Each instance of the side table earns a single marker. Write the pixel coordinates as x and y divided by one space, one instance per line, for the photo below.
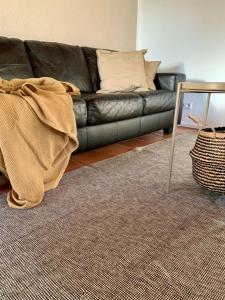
191 87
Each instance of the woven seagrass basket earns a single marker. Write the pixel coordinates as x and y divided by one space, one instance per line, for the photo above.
208 158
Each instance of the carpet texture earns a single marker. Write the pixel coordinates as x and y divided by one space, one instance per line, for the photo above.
109 231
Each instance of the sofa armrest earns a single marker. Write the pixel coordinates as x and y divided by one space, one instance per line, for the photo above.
168 81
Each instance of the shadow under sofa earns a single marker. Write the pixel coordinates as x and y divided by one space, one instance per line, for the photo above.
102 119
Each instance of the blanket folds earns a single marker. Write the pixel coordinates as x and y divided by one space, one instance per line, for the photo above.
37 136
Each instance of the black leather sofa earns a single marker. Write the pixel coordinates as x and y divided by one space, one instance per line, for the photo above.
101 118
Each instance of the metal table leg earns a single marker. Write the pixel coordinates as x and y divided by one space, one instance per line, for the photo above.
173 136
207 109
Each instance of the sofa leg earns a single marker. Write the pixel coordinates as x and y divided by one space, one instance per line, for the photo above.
168 130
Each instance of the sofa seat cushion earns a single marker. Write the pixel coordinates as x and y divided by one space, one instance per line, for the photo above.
60 61
158 101
14 62
80 111
103 108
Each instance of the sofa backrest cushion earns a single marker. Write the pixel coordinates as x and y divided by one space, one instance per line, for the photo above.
60 61
14 62
91 59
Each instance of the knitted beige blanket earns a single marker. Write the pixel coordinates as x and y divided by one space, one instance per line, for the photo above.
37 136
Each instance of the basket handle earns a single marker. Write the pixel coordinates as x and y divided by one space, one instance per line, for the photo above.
201 124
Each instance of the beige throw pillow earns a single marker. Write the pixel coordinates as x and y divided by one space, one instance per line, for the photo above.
121 71
151 68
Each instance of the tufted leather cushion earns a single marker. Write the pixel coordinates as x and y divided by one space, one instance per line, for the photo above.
158 101
60 61
80 110
103 108
14 62
91 58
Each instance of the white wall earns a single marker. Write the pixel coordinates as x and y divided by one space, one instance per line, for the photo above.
98 23
187 36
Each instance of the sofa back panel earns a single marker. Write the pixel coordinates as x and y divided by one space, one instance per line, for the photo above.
60 61
91 59
14 62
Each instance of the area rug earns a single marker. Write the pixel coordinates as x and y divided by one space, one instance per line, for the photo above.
109 231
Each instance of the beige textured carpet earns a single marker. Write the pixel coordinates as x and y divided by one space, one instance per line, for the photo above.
109 231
